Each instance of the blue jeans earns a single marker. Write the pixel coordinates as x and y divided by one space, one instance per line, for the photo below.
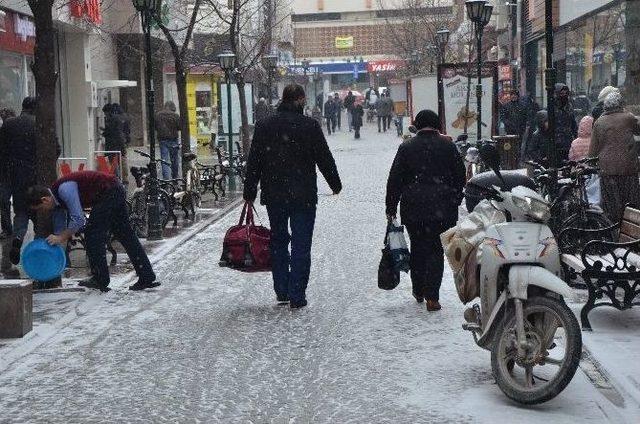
170 152
291 271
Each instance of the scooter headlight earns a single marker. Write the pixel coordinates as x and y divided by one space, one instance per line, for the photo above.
533 208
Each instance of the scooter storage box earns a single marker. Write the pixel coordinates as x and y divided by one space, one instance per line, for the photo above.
512 179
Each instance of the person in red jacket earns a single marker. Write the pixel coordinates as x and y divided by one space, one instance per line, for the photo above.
68 198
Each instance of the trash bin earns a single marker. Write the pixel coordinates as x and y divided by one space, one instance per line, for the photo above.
472 196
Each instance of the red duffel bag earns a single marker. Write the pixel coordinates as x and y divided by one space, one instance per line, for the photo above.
246 245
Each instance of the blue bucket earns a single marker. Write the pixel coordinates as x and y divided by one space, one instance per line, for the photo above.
43 262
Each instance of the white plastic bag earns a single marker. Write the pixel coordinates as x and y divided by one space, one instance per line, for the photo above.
398 246
593 190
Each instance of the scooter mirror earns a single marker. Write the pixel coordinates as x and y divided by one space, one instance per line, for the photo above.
462 137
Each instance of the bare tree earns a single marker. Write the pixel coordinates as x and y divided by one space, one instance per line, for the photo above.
248 25
413 24
179 38
44 71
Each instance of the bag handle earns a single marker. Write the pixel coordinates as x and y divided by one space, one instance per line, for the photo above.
247 212
244 213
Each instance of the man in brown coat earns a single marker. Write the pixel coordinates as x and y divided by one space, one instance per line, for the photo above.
613 142
167 128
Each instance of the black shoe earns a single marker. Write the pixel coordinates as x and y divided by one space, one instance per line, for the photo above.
140 285
298 305
92 283
284 299
14 253
419 299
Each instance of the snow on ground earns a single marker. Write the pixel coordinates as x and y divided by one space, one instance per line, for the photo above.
211 345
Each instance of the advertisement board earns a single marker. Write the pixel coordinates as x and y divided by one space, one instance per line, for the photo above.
454 93
235 106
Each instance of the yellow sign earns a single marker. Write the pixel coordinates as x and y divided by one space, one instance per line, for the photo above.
344 42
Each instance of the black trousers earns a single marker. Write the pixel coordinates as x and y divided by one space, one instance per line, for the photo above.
427 259
331 124
109 215
382 119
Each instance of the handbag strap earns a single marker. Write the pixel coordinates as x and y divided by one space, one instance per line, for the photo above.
244 213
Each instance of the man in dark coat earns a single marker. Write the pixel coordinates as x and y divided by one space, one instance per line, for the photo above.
168 129
338 106
18 150
330 114
566 125
349 102
262 109
514 115
427 178
285 151
357 112
538 146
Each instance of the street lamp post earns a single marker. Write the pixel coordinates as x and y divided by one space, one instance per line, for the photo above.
550 78
147 9
270 62
306 64
227 61
479 12
442 39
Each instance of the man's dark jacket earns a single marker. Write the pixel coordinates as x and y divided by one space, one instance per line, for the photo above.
284 153
349 101
514 117
18 150
427 178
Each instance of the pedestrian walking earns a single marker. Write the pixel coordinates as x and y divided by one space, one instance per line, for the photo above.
391 106
338 106
566 125
427 178
18 150
613 142
167 128
349 103
5 191
67 199
357 114
126 129
384 108
530 108
330 114
285 151
262 109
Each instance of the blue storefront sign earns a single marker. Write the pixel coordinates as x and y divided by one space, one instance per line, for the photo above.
354 68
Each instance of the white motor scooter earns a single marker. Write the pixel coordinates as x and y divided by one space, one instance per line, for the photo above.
534 338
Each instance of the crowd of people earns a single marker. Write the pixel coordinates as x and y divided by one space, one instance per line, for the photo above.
609 133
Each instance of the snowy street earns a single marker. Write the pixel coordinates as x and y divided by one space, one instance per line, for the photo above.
211 345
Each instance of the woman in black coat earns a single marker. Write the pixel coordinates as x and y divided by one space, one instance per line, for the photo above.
427 178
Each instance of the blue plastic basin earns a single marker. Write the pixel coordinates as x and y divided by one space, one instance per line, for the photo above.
43 262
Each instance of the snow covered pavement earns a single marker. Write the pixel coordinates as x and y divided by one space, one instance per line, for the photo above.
210 344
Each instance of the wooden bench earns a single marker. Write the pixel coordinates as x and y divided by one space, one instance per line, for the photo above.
609 263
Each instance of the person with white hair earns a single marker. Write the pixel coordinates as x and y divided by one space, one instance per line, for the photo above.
613 142
598 109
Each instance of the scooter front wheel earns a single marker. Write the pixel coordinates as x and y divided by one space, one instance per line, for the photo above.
550 355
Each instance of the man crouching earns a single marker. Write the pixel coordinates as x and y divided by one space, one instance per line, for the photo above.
105 197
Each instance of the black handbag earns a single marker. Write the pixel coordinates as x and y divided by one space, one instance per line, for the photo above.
388 277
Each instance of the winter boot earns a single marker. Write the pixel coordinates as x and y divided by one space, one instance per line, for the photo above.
141 285
14 253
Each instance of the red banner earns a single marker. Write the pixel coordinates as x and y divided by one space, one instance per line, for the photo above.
88 8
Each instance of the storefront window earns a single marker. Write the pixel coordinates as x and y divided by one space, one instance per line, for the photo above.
11 80
204 115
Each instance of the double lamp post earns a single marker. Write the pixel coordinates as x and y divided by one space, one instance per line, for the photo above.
228 62
479 13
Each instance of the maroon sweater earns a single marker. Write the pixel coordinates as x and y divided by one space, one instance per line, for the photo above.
91 186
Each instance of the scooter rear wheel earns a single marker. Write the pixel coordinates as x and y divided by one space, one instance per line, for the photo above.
551 359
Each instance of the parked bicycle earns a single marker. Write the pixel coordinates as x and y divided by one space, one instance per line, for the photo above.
565 189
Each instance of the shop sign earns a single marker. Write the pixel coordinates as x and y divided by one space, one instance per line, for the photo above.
24 28
504 73
344 42
384 65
